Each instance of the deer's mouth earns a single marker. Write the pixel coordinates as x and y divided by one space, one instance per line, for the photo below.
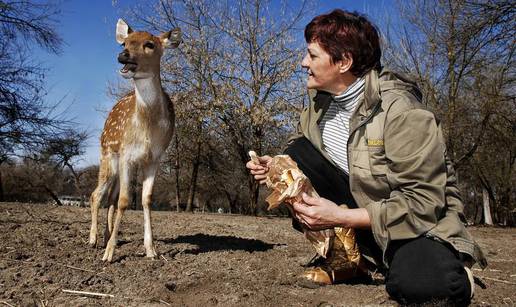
128 67
128 70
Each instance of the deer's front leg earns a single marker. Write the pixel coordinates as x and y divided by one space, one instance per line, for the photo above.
124 199
149 173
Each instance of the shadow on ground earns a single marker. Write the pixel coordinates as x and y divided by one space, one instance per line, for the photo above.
208 243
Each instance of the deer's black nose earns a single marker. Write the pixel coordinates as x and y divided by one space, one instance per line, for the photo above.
123 57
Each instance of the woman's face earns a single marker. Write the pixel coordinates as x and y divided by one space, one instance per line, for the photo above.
322 74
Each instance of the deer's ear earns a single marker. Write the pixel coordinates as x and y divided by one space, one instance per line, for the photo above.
122 31
171 38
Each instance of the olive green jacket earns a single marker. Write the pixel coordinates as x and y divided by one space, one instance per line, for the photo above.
398 167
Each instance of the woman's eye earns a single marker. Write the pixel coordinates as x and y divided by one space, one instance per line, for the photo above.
122 44
149 45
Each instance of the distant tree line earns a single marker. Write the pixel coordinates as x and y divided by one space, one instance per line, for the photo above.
237 85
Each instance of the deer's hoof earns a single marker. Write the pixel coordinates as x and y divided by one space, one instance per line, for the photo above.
107 257
152 254
93 242
108 254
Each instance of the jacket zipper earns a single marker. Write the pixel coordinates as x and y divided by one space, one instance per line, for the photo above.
373 112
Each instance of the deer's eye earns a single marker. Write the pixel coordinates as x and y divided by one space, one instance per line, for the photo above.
149 45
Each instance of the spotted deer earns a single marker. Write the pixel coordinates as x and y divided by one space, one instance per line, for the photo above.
136 133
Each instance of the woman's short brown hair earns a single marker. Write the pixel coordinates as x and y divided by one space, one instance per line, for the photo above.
341 33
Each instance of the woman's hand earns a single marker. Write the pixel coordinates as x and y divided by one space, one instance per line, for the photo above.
259 171
317 212
320 213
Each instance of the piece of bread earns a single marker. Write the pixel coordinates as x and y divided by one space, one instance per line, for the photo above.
288 183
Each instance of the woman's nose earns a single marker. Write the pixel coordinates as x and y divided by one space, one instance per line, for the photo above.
305 62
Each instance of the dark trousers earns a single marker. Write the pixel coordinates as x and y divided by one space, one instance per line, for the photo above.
420 269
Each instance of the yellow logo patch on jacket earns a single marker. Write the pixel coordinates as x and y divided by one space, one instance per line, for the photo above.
374 142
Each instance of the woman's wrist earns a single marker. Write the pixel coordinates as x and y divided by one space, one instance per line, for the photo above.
353 218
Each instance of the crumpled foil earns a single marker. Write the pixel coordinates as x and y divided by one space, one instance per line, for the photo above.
288 183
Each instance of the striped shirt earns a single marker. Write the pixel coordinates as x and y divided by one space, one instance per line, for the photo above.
334 125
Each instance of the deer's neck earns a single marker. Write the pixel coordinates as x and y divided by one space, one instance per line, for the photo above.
149 94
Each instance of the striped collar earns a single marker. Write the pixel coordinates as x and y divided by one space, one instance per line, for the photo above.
348 96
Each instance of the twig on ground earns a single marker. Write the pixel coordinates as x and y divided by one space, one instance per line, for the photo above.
508 299
12 251
30 214
75 268
501 260
95 294
98 294
164 258
6 303
499 280
17 260
56 263
174 252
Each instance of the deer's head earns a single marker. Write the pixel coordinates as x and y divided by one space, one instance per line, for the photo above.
142 50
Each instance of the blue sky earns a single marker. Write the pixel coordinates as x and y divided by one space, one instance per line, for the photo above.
87 64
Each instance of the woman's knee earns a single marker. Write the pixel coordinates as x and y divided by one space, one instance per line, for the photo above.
454 289
424 270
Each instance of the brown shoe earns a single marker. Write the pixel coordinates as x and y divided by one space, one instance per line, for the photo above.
318 275
325 275
338 266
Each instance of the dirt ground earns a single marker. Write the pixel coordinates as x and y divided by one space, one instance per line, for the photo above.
205 260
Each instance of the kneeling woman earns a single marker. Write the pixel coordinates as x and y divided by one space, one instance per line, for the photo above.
366 141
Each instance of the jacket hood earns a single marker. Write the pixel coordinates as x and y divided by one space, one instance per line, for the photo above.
387 80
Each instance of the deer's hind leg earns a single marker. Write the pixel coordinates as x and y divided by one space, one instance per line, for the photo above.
112 202
98 197
124 199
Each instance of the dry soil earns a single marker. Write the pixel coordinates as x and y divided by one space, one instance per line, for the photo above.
204 260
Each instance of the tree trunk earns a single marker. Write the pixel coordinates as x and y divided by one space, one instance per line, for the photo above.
252 184
1 187
193 181
2 195
76 181
53 195
232 202
475 217
178 192
207 205
486 208
176 167
254 189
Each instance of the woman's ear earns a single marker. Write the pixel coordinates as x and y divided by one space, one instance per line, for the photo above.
346 63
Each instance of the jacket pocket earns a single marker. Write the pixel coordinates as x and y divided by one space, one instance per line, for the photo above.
370 174
377 161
